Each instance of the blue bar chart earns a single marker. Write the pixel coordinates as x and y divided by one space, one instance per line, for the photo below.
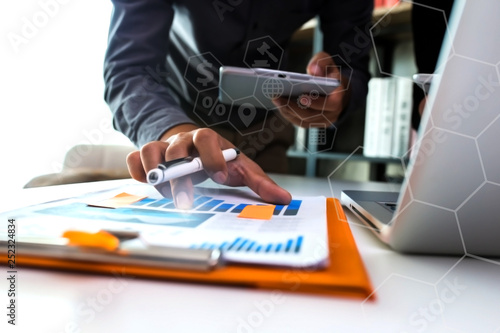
209 204
225 219
290 235
242 244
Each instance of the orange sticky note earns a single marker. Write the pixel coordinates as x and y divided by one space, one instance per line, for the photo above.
260 212
101 239
119 200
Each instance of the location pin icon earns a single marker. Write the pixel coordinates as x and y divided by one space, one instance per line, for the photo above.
247 113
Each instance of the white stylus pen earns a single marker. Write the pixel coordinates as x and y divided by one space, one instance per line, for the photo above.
182 167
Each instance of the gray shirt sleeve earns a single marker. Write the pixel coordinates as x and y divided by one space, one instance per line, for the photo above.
134 70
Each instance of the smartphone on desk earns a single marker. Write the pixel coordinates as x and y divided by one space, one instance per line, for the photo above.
239 85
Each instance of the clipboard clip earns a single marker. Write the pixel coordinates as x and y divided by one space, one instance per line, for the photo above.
125 247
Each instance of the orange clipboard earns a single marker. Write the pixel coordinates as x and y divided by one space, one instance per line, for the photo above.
344 276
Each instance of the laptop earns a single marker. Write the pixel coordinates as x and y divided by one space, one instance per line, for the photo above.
449 201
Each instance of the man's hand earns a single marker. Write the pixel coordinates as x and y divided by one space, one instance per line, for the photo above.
208 145
323 110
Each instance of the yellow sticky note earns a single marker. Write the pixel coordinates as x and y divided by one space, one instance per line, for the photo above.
119 200
260 212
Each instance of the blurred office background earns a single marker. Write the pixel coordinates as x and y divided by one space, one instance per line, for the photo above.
51 84
52 88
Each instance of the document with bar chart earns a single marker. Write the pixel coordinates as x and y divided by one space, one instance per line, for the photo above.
233 220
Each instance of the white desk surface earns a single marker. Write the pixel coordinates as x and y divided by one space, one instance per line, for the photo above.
414 293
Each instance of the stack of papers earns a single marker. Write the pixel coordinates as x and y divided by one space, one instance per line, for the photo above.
235 221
